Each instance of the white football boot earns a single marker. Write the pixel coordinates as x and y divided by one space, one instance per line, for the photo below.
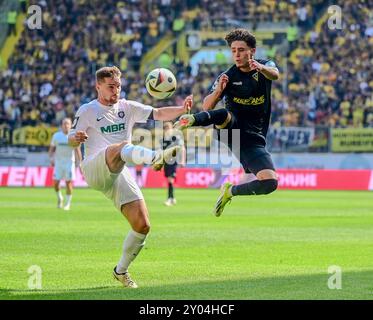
125 279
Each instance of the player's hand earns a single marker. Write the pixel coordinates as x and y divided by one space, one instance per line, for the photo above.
255 65
188 103
52 163
222 83
80 137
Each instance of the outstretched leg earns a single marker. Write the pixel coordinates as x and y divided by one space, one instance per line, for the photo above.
221 118
118 154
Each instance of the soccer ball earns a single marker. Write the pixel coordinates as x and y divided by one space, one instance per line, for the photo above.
160 83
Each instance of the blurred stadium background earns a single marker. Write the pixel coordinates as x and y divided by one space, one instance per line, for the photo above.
322 106
321 135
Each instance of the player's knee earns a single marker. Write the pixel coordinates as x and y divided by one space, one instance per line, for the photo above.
142 224
113 157
269 185
142 227
113 151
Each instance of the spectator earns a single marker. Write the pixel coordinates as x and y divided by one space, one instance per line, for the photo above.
12 20
220 58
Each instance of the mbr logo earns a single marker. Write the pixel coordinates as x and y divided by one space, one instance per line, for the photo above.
113 128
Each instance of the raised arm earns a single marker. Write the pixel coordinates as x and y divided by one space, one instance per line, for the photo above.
171 113
214 97
269 70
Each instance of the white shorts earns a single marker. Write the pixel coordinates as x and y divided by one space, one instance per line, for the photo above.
64 170
121 187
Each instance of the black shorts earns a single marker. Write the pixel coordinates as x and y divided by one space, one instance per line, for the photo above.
170 170
251 153
255 158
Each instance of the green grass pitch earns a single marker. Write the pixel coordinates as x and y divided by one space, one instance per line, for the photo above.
267 247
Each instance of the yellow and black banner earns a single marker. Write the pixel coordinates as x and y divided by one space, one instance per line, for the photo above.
5 134
35 136
352 140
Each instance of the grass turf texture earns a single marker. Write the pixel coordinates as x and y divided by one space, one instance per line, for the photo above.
267 247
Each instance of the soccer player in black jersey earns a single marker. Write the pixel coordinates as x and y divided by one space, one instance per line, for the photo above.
246 89
170 139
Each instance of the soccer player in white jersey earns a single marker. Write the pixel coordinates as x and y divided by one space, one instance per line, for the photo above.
63 158
105 125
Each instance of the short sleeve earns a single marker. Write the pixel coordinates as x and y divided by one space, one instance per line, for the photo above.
53 141
140 112
81 120
271 64
215 84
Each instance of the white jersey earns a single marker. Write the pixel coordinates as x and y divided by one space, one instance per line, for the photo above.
64 152
106 125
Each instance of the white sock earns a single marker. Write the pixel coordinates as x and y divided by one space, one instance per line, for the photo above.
68 199
59 195
131 248
137 154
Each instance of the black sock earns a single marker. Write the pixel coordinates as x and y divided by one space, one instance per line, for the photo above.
255 187
206 118
170 190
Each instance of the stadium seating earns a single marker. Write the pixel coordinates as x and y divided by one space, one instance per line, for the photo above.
51 72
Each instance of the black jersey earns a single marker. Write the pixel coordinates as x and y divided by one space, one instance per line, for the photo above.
248 97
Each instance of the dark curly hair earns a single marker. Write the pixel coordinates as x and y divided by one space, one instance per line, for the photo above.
241 35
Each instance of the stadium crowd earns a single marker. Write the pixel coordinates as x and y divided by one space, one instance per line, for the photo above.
51 73
330 74
302 13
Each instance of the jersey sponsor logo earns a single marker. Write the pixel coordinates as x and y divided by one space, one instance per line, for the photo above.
252 101
99 118
113 128
256 76
121 114
238 83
